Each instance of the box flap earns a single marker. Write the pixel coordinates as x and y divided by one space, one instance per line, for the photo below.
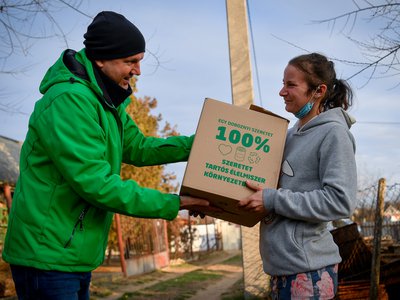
264 111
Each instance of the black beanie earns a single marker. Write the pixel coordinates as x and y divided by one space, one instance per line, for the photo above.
112 36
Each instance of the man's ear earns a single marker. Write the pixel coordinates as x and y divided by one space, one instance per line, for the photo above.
99 63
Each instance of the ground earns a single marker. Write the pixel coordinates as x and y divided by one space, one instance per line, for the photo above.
218 275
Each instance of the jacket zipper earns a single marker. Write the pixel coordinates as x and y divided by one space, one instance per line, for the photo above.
78 222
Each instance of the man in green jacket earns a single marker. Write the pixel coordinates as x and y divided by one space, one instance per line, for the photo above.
70 185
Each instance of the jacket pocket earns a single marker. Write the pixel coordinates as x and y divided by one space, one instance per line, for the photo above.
297 235
79 223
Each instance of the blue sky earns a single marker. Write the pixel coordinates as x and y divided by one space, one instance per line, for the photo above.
190 39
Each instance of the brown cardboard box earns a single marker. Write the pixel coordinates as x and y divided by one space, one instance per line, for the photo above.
234 144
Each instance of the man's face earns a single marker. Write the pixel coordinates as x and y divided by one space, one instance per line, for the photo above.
121 70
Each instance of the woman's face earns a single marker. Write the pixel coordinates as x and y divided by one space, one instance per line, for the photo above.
295 89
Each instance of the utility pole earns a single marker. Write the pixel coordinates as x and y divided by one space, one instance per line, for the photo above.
239 53
255 280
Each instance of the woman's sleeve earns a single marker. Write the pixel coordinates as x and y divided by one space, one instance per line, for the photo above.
336 198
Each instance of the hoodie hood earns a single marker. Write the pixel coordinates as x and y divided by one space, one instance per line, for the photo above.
336 115
71 66
75 67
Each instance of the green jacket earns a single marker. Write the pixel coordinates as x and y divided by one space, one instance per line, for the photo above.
70 184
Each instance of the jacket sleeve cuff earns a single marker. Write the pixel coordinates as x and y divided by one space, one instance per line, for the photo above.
174 201
268 200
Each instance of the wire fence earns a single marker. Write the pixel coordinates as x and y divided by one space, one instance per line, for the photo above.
364 214
390 230
143 237
366 203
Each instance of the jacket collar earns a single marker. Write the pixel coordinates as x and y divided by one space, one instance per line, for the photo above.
111 90
113 94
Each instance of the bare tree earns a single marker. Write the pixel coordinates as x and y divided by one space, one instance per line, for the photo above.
380 52
22 22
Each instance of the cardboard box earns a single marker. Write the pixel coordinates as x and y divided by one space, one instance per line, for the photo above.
234 144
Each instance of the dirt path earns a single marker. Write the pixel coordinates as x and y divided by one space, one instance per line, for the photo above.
214 291
168 273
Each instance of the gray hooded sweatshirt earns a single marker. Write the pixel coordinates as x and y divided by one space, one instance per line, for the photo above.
318 184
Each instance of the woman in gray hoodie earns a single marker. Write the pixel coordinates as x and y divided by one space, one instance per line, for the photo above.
318 183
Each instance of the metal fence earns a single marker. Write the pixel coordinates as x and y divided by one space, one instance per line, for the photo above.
143 237
367 199
364 214
389 230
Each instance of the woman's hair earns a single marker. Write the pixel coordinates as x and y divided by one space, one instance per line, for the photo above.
319 70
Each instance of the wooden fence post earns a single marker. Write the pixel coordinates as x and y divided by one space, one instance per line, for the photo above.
120 244
376 255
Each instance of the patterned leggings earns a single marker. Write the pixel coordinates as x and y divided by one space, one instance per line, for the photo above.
313 285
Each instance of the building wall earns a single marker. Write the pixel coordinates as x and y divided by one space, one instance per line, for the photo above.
146 263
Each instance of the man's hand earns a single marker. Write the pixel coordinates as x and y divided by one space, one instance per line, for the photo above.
197 206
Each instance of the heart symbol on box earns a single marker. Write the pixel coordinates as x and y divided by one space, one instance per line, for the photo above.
224 149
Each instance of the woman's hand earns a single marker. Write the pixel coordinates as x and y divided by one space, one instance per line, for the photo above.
254 202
